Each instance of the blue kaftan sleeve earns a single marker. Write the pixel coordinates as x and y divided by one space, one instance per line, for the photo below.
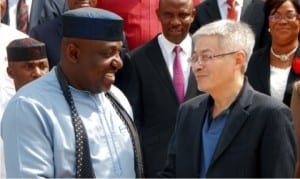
27 140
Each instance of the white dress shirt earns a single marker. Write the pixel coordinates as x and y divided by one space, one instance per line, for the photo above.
12 10
278 81
167 48
223 6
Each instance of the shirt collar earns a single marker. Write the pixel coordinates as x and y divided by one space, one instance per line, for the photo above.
169 46
224 2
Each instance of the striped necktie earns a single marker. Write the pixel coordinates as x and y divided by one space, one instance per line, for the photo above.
178 79
22 16
231 11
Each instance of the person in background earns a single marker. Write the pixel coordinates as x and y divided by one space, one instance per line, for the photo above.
7 33
26 14
50 32
274 69
3 5
159 80
27 61
72 122
295 105
232 131
249 11
141 23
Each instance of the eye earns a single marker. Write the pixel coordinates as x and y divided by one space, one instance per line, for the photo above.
27 66
167 15
193 59
275 17
206 58
184 15
109 52
106 54
43 66
291 16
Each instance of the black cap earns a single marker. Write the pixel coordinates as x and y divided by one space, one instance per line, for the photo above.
25 49
92 23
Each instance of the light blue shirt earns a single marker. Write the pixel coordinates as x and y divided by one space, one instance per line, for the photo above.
39 139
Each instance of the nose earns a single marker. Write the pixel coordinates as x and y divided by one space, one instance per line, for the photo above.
199 66
199 62
36 73
176 20
117 62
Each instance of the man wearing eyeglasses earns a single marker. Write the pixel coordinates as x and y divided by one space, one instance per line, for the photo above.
232 131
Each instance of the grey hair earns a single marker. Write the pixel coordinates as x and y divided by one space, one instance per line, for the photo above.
231 35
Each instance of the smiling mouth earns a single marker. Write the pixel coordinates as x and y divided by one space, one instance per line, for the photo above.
110 75
283 29
176 30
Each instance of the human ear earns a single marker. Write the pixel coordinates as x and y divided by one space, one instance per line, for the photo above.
10 72
73 52
240 57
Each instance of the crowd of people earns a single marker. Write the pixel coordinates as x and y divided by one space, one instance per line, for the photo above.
149 88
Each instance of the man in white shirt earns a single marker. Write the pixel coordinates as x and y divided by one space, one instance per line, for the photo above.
155 88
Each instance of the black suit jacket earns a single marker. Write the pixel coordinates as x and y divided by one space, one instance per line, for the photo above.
151 93
252 14
258 140
258 72
42 11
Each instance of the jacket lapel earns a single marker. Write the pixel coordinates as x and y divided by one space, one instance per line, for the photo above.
245 6
212 10
195 135
35 12
263 71
156 58
290 83
236 119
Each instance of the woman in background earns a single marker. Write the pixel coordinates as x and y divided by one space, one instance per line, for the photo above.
273 69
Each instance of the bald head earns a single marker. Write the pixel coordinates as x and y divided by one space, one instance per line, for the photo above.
161 2
75 4
176 17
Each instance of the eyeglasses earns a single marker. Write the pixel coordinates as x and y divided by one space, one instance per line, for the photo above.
289 17
206 58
